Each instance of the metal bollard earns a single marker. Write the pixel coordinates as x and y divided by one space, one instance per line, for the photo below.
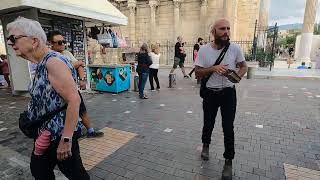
135 83
172 80
251 72
198 80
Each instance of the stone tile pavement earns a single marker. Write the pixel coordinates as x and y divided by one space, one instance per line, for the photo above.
276 128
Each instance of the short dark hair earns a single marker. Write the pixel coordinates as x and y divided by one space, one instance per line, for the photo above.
200 39
51 34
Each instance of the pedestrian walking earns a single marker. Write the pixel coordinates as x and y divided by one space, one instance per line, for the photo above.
196 48
154 67
219 92
179 57
54 96
144 61
58 44
4 69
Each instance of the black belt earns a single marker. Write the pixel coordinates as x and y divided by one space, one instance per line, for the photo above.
219 89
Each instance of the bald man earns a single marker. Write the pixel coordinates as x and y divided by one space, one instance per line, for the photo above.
221 92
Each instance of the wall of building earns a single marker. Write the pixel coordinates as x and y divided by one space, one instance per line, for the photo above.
246 13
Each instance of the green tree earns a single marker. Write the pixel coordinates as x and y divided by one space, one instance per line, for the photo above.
291 40
316 29
287 40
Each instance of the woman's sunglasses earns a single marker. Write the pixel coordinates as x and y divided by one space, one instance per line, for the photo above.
60 42
13 39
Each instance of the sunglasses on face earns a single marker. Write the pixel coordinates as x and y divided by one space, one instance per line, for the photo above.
60 42
13 39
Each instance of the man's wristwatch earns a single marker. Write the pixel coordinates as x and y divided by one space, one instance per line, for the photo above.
66 139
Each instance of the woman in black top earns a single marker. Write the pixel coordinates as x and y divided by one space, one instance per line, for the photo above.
144 61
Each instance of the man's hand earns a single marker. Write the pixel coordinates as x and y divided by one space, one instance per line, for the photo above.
243 68
64 150
81 63
221 69
78 64
82 84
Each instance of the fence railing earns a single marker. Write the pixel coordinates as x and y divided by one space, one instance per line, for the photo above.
167 51
113 55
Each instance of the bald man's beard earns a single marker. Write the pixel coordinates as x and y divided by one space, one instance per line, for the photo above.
221 42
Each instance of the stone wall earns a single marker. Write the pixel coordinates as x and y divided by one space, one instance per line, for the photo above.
248 12
245 14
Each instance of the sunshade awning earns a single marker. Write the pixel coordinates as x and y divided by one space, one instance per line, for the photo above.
101 10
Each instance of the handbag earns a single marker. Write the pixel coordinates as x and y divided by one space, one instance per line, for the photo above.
121 40
203 87
31 128
105 38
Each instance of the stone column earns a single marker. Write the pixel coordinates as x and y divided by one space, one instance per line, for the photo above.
263 22
176 14
132 21
203 19
307 31
229 7
153 29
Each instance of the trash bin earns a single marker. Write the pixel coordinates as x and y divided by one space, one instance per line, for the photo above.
172 80
251 72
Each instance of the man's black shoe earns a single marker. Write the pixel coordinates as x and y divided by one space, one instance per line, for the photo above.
205 152
227 170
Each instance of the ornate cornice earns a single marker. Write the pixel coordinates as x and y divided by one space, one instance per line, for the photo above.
204 2
154 3
177 3
132 3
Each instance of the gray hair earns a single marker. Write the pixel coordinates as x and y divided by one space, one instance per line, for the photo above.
29 27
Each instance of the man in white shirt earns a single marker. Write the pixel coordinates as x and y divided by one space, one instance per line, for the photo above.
221 92
58 44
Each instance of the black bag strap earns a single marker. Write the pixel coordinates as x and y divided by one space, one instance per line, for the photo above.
49 116
218 61
222 54
52 114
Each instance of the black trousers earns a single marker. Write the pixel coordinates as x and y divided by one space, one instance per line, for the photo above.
153 74
226 99
42 166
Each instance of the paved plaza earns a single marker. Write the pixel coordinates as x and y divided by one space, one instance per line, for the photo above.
277 133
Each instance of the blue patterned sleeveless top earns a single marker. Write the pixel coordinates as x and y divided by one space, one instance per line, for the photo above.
44 99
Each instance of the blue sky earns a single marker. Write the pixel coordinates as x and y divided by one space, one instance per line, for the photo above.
288 11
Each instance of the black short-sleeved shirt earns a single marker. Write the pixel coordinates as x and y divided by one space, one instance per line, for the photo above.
177 51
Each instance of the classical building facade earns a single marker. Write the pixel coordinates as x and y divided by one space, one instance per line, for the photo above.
164 20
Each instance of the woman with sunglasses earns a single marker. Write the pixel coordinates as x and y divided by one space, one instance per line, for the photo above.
52 88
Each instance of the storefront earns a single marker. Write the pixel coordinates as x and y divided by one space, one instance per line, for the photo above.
72 19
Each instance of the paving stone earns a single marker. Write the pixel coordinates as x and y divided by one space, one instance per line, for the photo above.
287 135
259 172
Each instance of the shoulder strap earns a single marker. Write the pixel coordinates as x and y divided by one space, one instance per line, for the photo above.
222 54
47 117
219 60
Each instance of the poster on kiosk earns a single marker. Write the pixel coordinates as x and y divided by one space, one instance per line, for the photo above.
70 20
